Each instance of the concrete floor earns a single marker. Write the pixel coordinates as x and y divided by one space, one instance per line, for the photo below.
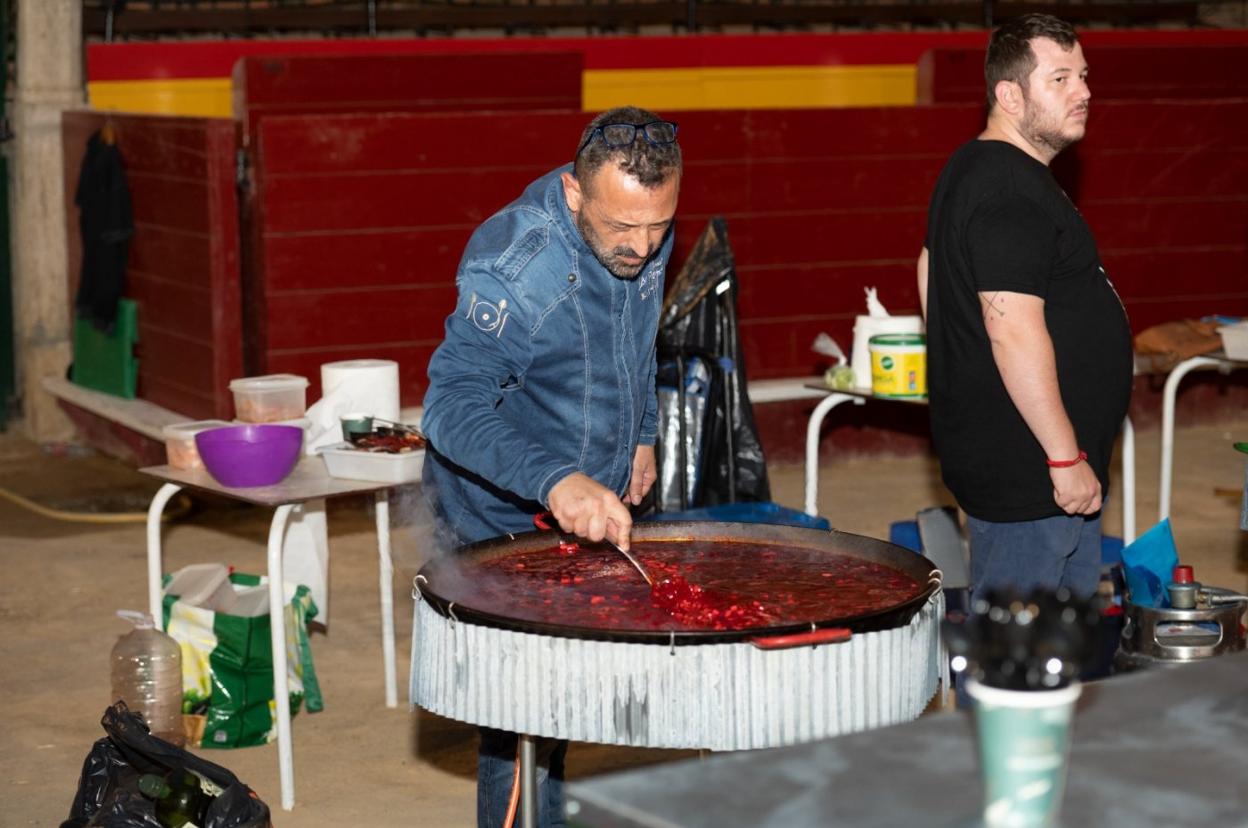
358 763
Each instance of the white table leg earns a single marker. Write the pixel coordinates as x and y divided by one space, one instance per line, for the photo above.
528 781
1128 481
386 568
281 684
154 551
812 446
1167 427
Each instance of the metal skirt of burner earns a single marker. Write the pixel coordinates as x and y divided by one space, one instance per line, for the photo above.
717 696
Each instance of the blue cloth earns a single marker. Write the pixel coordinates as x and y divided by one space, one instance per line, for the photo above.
496 769
1033 554
1148 563
547 368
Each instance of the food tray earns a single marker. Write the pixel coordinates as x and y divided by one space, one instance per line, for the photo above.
355 464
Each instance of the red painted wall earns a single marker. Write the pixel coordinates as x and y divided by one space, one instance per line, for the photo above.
403 82
330 275
145 60
366 216
1183 72
355 223
184 265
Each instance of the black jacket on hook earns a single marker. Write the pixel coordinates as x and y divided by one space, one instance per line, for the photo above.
106 223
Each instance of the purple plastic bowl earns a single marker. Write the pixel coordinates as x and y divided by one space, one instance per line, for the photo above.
250 455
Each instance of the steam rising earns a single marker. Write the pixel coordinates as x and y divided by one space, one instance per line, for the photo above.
420 542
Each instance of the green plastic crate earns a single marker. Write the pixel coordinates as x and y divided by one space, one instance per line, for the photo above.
106 361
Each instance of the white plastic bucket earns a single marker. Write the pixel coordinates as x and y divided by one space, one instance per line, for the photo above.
866 327
898 365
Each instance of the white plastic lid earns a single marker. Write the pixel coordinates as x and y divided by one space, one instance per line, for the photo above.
270 382
187 431
299 422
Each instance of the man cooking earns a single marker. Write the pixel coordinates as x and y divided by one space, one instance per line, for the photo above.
541 396
1029 350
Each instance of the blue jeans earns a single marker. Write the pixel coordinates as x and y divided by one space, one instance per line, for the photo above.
1029 554
496 768
1062 551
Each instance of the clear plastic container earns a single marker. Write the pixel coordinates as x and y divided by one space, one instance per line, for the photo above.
147 676
269 399
180 450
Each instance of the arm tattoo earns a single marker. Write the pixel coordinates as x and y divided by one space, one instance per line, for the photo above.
994 305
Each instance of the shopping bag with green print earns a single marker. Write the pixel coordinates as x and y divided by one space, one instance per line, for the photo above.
222 622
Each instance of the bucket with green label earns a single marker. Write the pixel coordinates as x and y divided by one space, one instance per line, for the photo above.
898 365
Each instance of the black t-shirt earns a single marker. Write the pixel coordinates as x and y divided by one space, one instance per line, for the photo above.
999 221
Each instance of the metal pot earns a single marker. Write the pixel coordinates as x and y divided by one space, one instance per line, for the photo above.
721 690
444 584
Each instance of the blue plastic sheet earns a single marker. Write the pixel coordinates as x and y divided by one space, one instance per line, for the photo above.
772 513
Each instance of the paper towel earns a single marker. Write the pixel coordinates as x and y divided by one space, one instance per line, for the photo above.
354 386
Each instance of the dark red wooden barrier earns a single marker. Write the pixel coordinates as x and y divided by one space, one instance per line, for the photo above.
952 75
365 216
327 274
361 222
323 84
184 265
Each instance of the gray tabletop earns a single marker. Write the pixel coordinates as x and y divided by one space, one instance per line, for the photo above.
308 481
1165 747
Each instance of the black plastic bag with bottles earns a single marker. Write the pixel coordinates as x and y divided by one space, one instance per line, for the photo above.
109 793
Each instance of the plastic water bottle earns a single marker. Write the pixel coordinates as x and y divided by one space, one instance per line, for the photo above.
147 676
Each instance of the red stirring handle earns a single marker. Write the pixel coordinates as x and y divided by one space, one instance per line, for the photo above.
567 543
826 635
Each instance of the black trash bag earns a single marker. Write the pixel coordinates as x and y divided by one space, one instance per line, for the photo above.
693 384
698 327
108 789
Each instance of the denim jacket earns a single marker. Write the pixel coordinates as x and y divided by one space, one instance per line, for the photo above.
547 368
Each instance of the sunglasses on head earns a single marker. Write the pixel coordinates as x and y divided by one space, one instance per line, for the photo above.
657 133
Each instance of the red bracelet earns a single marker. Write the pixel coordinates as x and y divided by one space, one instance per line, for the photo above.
1066 464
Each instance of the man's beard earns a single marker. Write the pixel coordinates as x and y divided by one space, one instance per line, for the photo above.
1042 129
610 259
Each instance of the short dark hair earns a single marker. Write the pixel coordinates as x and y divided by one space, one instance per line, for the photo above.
1010 57
651 164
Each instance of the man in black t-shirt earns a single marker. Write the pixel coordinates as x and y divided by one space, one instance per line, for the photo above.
1029 350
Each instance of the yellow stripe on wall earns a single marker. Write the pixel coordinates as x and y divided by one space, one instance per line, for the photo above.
719 87
203 97
750 87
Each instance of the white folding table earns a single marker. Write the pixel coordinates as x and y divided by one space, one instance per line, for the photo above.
309 481
1217 360
858 396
